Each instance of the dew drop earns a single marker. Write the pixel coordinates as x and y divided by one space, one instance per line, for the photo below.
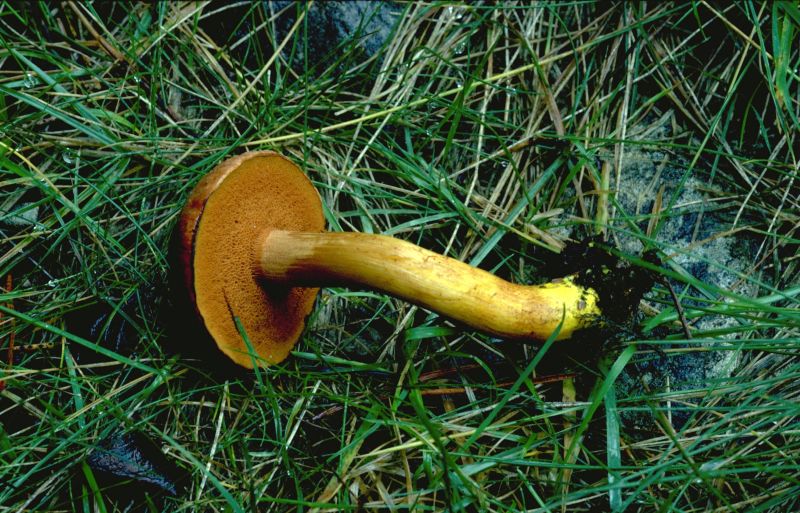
455 13
711 466
30 80
70 156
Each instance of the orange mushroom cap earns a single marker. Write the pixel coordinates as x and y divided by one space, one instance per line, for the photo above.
240 201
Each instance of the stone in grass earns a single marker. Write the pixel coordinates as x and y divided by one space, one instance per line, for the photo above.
696 231
131 467
367 24
25 216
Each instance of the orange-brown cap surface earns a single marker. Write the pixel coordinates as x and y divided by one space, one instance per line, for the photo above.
240 200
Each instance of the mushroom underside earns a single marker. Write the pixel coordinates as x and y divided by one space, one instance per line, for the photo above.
263 192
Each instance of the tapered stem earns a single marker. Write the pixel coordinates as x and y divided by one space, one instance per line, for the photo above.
445 285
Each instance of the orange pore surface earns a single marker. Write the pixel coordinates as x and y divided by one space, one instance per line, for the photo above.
263 192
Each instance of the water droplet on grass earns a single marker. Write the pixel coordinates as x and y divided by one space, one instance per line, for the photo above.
30 80
70 156
455 13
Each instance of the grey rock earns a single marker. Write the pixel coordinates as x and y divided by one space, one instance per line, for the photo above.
366 24
697 233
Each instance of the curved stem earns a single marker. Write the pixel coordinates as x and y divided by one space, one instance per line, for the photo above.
445 285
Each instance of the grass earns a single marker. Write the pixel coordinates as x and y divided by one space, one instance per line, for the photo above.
495 134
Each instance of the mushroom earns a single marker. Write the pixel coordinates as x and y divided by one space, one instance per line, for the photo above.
252 252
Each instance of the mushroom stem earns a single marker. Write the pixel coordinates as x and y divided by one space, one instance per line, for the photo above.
442 284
